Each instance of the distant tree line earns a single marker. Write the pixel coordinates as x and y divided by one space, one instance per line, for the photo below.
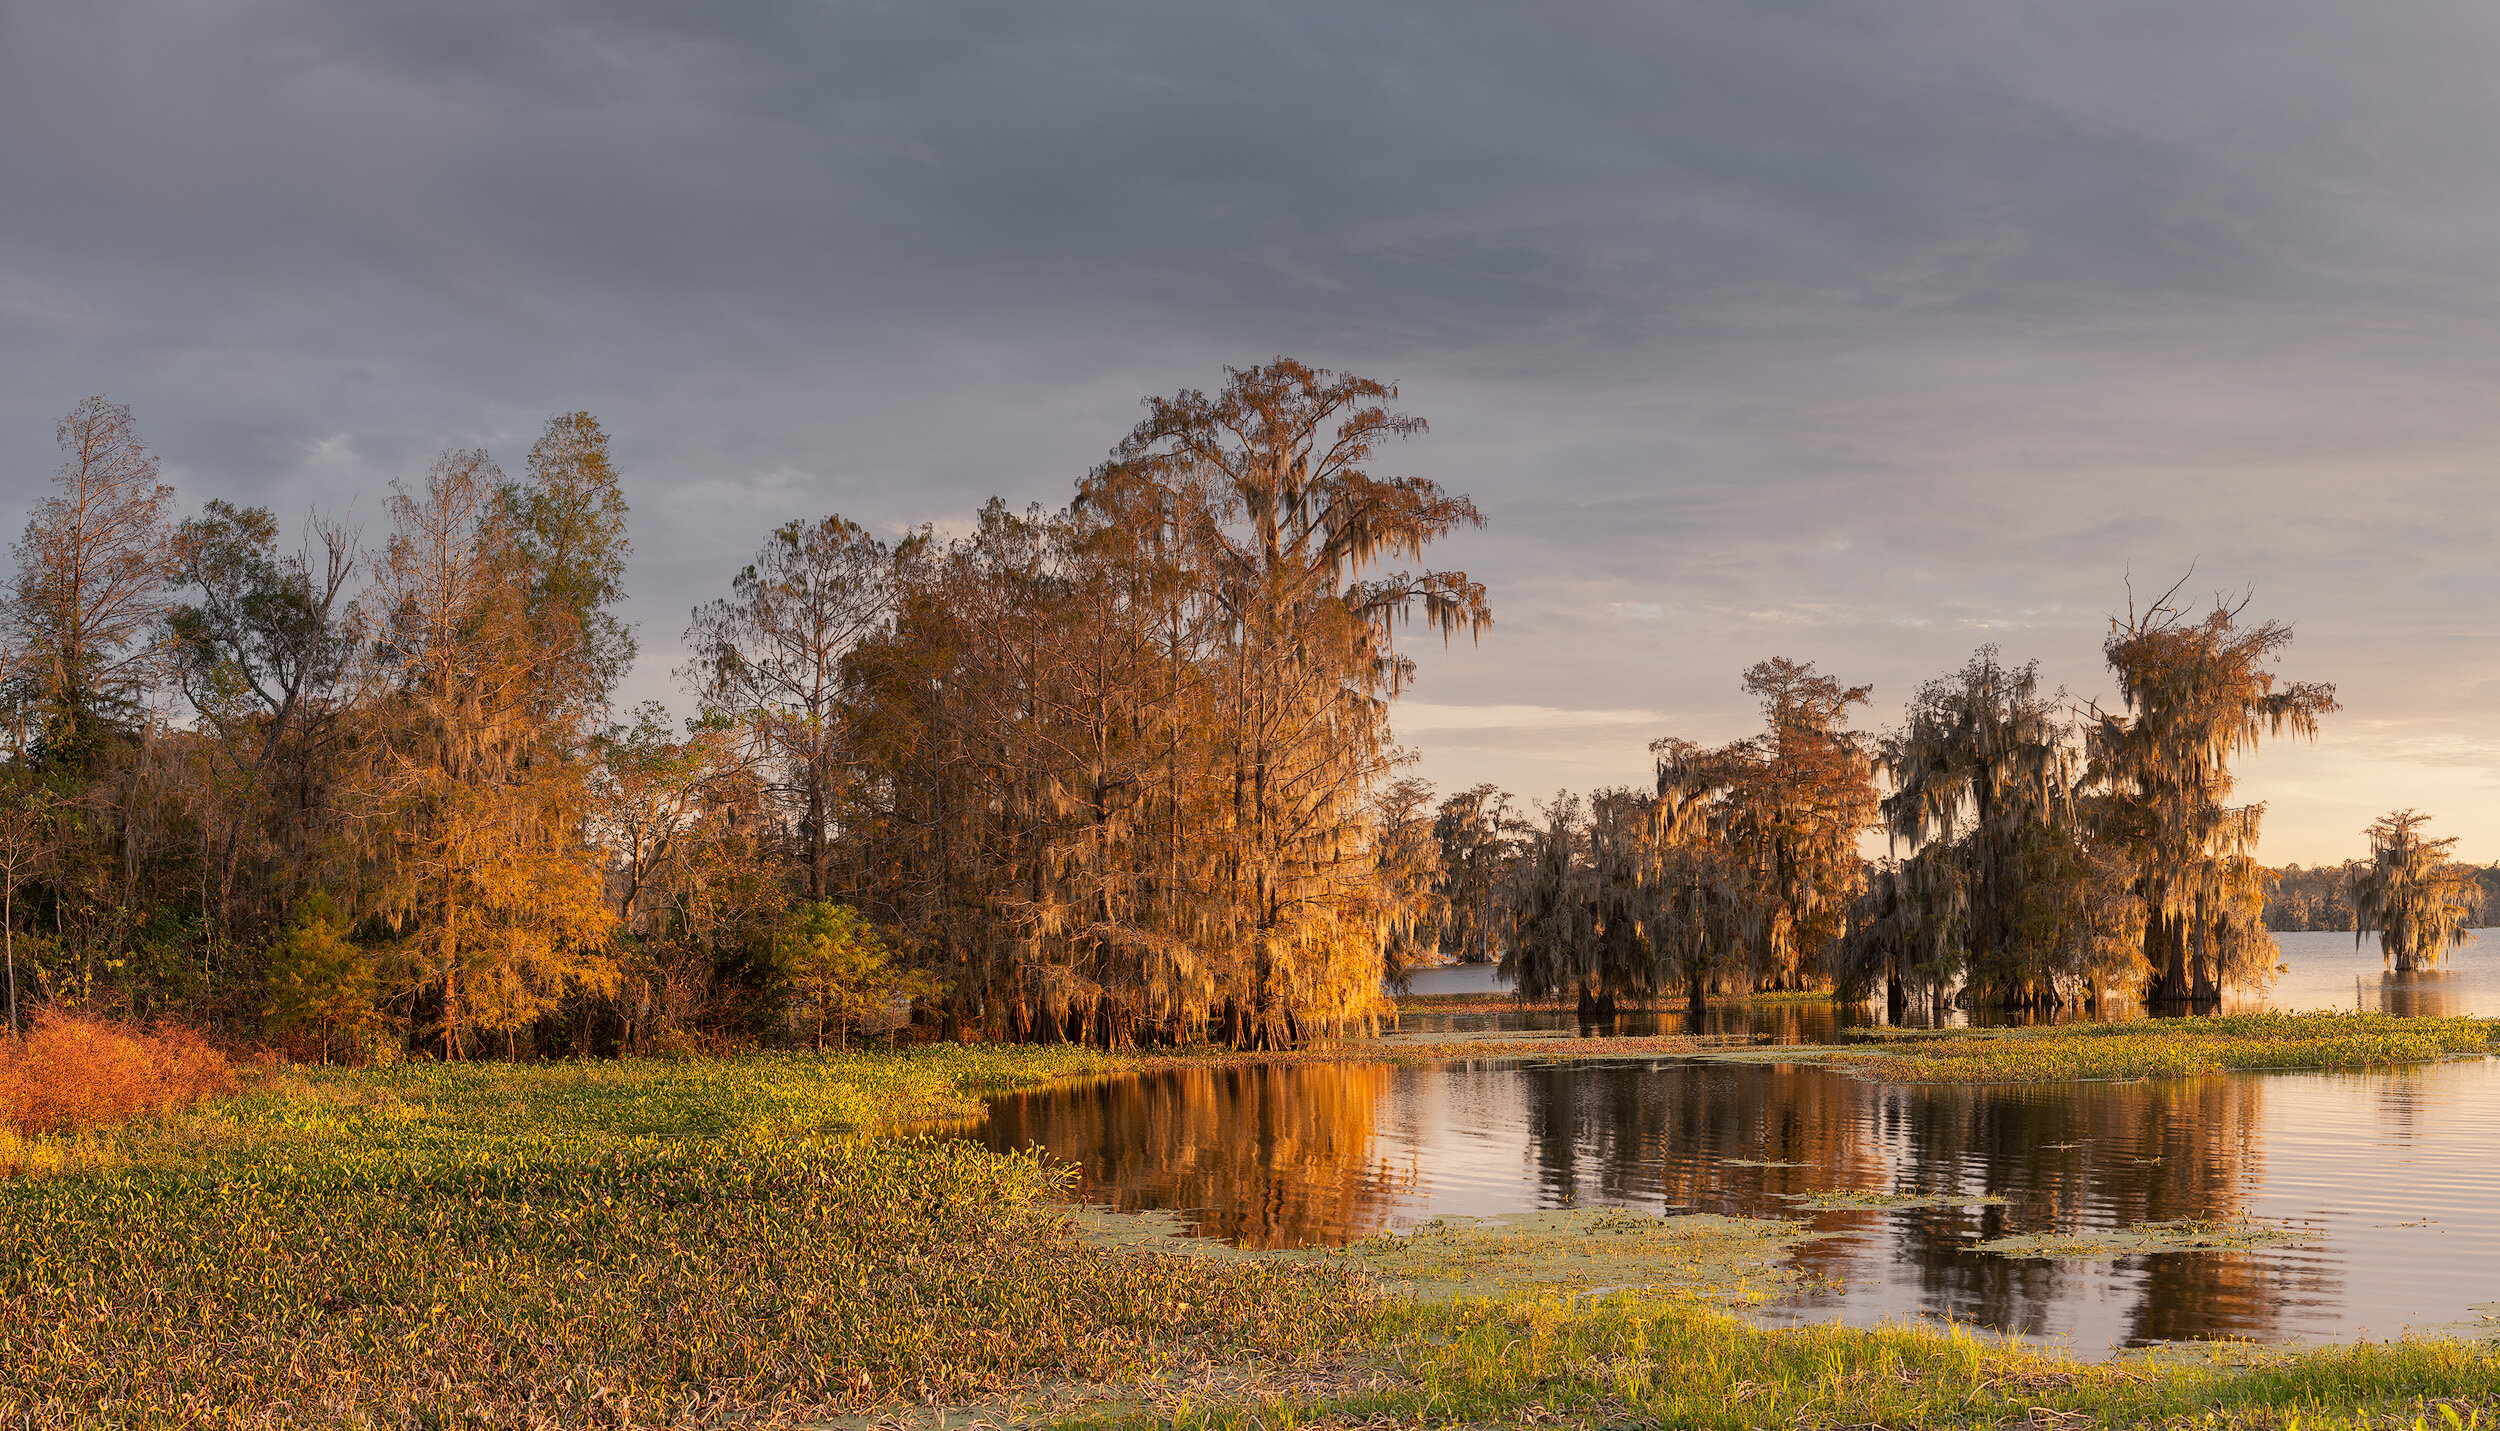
1120 772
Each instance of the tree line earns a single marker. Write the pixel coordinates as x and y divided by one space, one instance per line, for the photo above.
1109 773
1119 773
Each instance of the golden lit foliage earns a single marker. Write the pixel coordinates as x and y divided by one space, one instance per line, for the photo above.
484 867
2198 692
70 1074
2410 893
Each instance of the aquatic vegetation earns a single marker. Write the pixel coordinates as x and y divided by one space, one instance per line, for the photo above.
1549 1044
1569 1250
643 1243
2187 1235
1852 1200
2164 1048
1582 1250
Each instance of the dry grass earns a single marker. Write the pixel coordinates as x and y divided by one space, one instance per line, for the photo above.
73 1075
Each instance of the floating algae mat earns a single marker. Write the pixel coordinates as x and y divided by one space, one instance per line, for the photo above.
1726 1259
1849 1200
2189 1235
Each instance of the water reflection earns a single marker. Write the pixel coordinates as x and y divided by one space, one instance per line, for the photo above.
1262 1155
2435 994
1322 1153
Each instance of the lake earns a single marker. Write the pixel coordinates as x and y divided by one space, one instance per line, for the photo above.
2390 1176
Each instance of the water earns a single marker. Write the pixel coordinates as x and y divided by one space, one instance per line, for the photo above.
2394 1171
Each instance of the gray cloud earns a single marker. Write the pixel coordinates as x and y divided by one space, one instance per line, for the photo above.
1862 333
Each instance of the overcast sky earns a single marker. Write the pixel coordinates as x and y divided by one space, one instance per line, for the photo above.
1861 333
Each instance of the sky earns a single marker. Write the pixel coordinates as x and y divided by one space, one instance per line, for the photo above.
1859 333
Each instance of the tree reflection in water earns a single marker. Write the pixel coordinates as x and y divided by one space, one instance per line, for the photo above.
2430 994
1288 1155
1275 1155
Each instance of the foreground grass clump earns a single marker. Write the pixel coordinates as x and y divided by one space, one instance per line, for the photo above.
72 1074
2169 1048
635 1244
67 1085
1634 1362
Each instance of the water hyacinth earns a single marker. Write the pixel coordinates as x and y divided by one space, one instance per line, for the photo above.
628 1244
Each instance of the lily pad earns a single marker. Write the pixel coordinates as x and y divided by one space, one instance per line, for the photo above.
2188 1235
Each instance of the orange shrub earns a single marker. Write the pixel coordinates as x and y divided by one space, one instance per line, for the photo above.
73 1073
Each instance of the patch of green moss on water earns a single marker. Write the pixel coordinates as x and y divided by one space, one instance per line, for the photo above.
1731 1261
2188 1235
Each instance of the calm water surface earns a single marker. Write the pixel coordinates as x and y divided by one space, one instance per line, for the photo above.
2398 1172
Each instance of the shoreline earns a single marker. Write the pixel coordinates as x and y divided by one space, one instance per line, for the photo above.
763 1238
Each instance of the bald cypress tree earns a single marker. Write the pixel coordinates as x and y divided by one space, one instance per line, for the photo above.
1267 490
2410 893
2198 692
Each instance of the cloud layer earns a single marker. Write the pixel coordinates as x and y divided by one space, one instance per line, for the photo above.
1857 333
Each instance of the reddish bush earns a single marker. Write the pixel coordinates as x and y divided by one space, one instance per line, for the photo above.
73 1073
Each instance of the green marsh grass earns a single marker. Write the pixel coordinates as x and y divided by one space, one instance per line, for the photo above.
748 1241
1649 1363
2169 1048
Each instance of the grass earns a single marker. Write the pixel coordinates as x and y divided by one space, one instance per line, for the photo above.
2165 1048
1631 1361
622 1244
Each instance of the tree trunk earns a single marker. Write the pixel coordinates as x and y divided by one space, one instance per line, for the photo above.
2165 949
